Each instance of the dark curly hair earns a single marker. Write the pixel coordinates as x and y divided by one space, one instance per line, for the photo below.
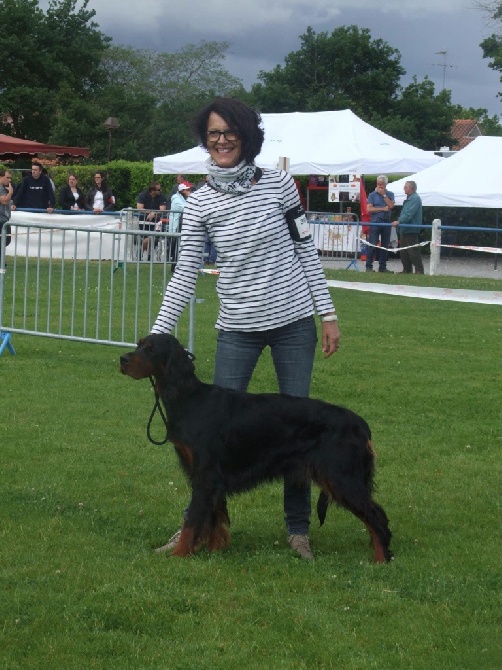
243 120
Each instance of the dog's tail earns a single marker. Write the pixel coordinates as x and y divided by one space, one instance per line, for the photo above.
322 506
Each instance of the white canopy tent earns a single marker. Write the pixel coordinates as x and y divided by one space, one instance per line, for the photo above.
320 143
470 178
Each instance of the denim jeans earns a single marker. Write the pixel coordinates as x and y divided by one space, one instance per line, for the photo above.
293 348
382 232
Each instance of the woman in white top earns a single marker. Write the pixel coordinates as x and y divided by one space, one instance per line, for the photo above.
271 280
100 198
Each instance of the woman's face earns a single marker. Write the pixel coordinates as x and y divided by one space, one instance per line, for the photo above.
225 151
98 179
72 181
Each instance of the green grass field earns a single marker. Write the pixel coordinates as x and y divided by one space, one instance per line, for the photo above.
85 497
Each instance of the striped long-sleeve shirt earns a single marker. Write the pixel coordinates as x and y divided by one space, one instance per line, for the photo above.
270 272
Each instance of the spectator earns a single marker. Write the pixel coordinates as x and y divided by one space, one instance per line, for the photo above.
154 200
178 202
35 191
380 204
411 215
6 191
271 279
180 179
71 197
99 197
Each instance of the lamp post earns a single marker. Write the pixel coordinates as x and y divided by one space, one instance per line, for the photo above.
110 124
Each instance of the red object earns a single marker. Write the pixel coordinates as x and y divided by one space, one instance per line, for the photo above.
13 146
302 199
365 217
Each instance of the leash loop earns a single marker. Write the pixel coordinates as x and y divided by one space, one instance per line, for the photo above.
156 407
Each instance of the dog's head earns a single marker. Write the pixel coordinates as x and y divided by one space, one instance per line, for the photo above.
158 356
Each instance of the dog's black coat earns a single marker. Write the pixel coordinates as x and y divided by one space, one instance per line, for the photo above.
228 441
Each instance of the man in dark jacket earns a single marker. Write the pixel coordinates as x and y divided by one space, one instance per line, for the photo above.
411 218
35 191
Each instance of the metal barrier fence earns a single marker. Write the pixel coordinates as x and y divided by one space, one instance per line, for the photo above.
83 284
336 236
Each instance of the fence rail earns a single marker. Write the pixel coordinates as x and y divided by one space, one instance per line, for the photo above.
85 284
336 236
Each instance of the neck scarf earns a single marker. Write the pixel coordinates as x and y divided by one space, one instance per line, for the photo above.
235 180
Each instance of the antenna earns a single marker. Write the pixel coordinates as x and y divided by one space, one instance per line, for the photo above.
444 64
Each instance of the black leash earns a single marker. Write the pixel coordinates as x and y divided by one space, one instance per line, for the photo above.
157 406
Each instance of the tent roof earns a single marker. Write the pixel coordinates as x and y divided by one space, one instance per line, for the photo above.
318 143
470 178
13 146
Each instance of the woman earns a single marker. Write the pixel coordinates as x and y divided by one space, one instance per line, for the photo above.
71 196
99 197
271 280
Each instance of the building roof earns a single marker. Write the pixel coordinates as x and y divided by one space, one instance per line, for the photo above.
463 131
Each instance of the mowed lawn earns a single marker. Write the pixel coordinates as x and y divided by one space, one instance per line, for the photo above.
85 497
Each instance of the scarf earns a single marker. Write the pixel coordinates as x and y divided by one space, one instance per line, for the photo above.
233 180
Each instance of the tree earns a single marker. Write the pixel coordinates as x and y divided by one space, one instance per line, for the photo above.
419 116
44 55
346 69
492 46
156 93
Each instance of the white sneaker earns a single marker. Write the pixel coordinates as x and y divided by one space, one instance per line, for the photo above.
170 544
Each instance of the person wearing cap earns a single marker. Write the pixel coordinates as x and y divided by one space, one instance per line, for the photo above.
178 202
271 280
180 179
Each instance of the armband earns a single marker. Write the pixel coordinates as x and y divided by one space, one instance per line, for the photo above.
329 317
298 225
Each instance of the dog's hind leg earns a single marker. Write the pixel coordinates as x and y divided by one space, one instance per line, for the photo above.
357 499
219 535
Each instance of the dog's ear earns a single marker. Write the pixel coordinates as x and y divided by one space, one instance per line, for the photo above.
179 367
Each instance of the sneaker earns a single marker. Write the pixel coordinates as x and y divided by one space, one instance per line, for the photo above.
300 544
170 544
370 270
385 270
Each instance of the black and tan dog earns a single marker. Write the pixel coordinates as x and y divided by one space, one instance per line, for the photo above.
229 442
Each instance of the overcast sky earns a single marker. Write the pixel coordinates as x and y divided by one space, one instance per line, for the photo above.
263 32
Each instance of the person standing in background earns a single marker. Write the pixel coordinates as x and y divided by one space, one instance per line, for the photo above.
100 198
380 204
6 192
411 215
35 191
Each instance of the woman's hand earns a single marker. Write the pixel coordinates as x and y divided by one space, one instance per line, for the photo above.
330 338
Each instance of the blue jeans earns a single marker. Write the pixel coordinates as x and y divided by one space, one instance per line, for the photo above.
293 348
382 232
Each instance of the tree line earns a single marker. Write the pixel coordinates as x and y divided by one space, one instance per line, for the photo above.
61 77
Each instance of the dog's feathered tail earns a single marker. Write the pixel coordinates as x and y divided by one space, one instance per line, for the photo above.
322 507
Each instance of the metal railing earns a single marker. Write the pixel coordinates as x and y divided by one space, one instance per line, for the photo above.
336 236
79 283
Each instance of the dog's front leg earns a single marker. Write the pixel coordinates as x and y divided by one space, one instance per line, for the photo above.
203 513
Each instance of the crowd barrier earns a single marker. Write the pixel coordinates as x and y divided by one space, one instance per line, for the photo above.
84 283
336 236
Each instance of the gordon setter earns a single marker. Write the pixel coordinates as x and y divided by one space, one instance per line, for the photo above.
228 441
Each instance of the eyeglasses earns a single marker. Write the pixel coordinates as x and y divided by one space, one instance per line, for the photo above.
214 135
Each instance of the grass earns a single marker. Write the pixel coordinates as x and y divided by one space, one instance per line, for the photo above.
85 496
